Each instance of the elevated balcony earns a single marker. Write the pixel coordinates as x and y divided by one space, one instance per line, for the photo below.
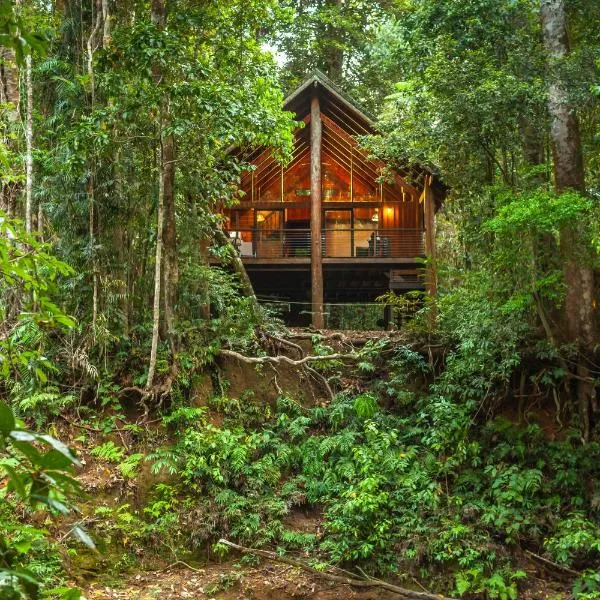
339 245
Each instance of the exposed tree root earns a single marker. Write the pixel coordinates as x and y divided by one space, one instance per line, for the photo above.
302 363
284 342
354 581
277 360
156 395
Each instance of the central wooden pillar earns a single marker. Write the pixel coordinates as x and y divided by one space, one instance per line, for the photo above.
316 253
430 249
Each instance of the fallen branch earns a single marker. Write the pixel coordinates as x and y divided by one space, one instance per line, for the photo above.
351 581
80 425
180 562
550 563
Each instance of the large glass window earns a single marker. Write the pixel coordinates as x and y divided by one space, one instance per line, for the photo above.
335 180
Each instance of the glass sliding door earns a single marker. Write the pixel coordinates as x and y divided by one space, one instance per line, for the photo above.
268 238
366 224
337 226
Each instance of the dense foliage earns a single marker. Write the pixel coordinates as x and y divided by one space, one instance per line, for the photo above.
450 457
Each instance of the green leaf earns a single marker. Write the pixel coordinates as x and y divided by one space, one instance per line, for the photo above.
22 547
365 406
16 481
7 419
53 459
22 574
62 448
23 436
29 451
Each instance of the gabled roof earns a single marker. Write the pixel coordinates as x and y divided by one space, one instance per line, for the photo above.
345 120
333 100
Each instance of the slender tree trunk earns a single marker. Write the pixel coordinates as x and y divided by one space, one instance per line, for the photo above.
120 243
157 278
40 220
532 142
569 174
316 240
91 48
9 94
29 144
201 287
105 24
166 233
238 266
92 238
171 268
91 187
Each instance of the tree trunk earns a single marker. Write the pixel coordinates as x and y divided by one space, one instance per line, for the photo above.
532 144
569 174
333 54
171 269
316 246
9 94
238 267
29 144
9 82
157 279
121 245
92 183
201 286
105 25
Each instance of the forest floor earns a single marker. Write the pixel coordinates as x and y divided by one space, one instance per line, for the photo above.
265 582
268 581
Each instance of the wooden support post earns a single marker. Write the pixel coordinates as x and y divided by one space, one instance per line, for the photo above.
316 262
430 250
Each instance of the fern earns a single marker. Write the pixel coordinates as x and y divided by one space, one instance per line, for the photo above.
109 452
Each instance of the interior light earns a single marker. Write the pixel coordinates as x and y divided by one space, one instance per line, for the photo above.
375 217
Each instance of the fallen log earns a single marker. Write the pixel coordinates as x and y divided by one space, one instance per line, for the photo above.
343 579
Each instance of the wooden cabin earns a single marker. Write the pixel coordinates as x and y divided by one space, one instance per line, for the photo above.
333 226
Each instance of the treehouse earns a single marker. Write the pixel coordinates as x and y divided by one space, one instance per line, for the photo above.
333 226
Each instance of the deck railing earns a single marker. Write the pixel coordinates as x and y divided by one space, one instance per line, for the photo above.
337 243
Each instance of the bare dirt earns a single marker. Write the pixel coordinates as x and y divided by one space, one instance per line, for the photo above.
266 582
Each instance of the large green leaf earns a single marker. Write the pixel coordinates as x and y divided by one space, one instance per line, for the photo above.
7 419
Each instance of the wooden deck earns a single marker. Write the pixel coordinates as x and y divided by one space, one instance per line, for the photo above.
371 260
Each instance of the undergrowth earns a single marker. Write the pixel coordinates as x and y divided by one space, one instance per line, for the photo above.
391 503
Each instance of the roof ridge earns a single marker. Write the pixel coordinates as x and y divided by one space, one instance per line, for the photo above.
317 76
